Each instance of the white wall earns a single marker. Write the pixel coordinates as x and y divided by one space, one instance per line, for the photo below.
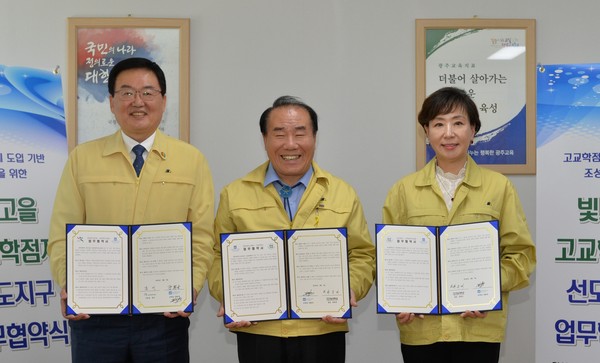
353 61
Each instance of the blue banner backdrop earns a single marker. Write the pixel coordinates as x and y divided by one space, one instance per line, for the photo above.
568 213
33 150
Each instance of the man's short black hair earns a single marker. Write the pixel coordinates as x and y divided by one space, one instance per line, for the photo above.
135 63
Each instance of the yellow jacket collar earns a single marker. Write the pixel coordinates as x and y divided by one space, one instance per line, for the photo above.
472 175
258 175
114 144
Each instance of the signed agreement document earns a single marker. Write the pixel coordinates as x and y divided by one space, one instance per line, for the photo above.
438 270
285 274
137 269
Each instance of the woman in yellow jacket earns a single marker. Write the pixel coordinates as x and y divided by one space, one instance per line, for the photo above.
453 189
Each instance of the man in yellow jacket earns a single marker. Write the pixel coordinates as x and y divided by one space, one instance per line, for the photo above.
100 185
317 200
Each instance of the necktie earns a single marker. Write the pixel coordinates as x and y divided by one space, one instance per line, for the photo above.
138 150
286 192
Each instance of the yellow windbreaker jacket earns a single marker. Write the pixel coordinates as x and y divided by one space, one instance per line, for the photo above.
99 186
246 205
483 195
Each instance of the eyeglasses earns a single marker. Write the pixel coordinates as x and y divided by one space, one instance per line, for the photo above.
128 94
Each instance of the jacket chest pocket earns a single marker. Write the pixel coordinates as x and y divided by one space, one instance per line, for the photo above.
334 216
426 217
475 215
173 191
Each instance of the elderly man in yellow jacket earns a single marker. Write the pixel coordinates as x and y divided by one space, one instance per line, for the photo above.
318 200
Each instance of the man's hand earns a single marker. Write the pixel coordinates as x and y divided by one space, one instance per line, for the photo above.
407 318
235 324
473 314
180 312
63 308
331 320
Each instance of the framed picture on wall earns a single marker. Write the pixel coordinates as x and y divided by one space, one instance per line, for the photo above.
95 45
493 60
